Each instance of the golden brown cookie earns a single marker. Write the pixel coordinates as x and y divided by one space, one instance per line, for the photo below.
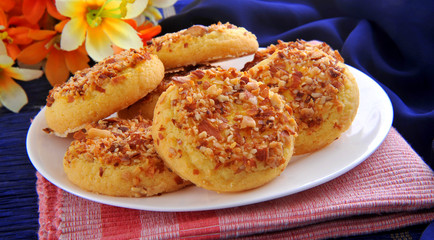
264 53
116 157
99 91
145 106
316 83
223 131
203 44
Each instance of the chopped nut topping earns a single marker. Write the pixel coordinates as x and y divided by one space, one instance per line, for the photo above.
277 101
48 130
307 74
96 77
98 133
117 142
156 44
233 118
214 91
207 126
196 31
248 122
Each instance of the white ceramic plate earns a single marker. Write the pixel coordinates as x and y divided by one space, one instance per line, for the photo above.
370 127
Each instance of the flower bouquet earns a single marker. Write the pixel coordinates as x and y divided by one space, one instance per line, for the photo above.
64 36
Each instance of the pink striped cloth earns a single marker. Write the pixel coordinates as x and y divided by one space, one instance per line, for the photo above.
393 188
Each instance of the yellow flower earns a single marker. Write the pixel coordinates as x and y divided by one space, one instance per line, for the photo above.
99 24
12 95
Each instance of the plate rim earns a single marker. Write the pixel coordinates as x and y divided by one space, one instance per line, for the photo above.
380 136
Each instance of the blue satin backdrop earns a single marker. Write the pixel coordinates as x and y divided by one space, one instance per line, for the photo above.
390 40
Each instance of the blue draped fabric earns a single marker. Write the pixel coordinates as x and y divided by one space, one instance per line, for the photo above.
392 41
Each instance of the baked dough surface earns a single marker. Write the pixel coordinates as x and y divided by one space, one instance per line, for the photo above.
316 83
203 44
191 49
99 91
145 106
116 157
223 131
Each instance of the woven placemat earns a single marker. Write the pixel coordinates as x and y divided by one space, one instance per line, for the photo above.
391 189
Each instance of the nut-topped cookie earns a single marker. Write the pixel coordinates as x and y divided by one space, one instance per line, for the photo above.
223 131
116 157
203 44
99 91
145 106
318 86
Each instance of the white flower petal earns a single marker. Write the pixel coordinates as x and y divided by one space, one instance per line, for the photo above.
121 33
98 45
136 8
25 74
71 8
163 3
3 50
153 13
12 95
73 34
6 61
140 19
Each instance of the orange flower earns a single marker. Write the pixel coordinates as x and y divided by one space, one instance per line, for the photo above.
146 31
59 63
7 5
16 36
33 10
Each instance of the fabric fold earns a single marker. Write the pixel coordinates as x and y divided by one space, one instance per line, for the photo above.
393 188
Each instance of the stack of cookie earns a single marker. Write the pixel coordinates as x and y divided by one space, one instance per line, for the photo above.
182 121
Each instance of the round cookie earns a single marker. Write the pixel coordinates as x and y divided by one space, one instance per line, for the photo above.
145 106
203 44
320 89
99 91
116 157
223 131
267 52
